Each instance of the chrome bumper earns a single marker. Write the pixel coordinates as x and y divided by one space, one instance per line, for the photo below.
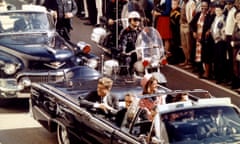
17 88
9 88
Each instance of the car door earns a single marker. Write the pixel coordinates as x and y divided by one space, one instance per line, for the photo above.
125 134
96 131
121 137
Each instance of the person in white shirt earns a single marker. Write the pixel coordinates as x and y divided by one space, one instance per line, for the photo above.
187 12
218 34
230 22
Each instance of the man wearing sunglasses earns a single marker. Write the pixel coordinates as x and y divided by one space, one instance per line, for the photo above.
127 39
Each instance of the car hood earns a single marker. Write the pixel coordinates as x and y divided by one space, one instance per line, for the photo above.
33 47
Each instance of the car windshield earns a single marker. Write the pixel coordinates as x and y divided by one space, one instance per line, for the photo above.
218 124
15 22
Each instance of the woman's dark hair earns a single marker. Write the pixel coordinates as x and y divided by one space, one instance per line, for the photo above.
148 84
219 6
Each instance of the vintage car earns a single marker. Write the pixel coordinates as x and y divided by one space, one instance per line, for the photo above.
59 107
32 51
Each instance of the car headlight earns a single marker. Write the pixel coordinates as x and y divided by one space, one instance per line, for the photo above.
84 47
10 68
24 82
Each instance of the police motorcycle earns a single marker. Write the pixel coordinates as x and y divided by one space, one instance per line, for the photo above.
148 48
150 57
106 36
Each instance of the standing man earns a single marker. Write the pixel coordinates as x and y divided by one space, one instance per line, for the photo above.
80 5
92 12
229 27
186 15
63 11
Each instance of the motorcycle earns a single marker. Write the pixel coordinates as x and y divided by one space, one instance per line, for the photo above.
149 49
150 57
106 36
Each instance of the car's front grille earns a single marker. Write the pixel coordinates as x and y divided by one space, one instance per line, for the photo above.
52 76
45 78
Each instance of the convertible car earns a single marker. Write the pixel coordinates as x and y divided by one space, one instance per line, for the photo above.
32 51
201 118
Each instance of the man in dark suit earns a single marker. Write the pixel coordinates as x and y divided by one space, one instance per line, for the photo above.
102 98
92 12
129 98
63 11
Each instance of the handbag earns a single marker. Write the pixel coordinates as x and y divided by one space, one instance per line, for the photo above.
238 55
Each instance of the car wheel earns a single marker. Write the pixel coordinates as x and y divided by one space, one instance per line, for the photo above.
62 135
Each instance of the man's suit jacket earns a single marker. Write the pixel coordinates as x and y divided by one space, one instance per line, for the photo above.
112 100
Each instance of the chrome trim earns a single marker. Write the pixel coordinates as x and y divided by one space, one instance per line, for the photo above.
9 85
23 95
55 65
49 73
9 88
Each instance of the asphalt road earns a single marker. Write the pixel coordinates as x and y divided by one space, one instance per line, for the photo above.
18 127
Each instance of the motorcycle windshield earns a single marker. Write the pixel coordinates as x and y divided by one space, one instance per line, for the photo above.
149 44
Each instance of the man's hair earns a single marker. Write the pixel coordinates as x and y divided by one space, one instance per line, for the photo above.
106 82
130 94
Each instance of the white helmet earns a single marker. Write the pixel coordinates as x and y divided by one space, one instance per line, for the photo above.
133 14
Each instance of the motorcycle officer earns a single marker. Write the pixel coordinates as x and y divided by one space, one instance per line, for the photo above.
63 11
127 39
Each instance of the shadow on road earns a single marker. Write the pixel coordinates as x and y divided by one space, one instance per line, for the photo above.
14 105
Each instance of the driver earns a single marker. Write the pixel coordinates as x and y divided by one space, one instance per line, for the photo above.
127 40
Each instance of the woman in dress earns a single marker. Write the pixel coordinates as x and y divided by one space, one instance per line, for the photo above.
161 20
200 26
149 104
